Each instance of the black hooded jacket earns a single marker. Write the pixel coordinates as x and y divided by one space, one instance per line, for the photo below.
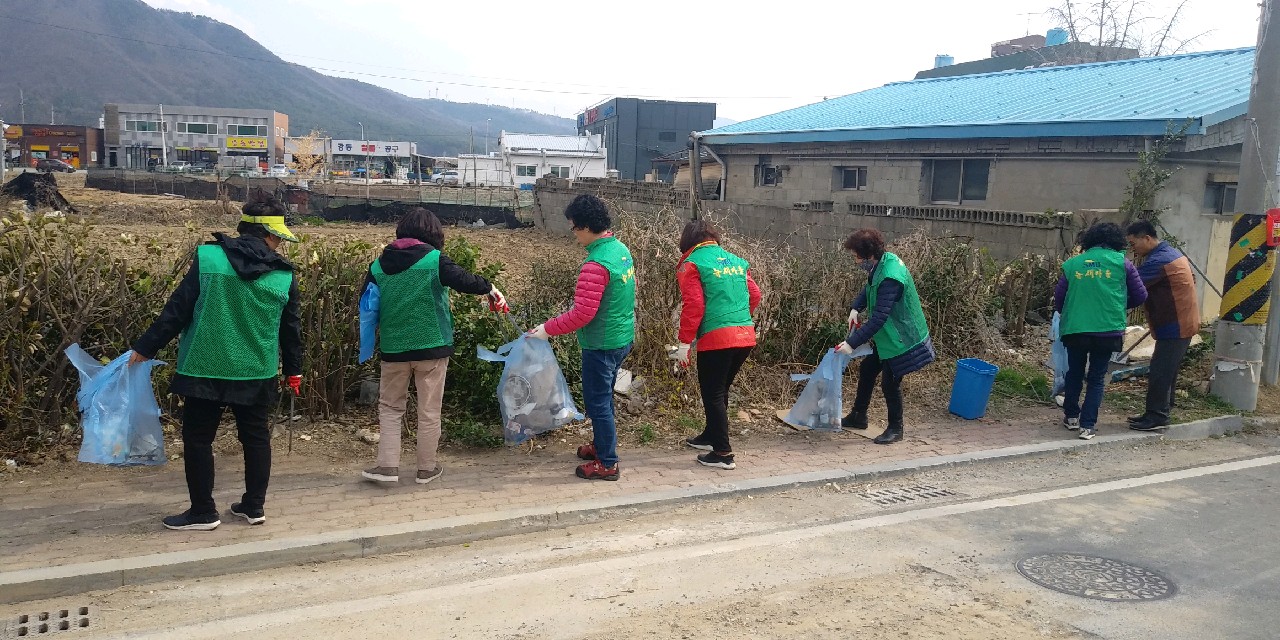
251 258
402 254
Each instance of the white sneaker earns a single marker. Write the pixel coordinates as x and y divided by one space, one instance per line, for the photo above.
1088 433
1071 423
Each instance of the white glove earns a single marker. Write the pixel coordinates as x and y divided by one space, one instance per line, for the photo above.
681 355
497 301
539 332
853 319
844 349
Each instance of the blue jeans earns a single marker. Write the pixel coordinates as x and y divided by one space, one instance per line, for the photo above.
599 373
1087 358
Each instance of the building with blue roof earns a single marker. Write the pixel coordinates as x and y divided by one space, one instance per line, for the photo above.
987 154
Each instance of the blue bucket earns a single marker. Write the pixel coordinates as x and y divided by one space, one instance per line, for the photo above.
972 388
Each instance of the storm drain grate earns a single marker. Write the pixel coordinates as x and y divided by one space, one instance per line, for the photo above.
906 495
48 623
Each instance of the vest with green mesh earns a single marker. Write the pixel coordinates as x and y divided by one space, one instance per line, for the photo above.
614 326
1097 292
414 312
724 288
235 331
906 327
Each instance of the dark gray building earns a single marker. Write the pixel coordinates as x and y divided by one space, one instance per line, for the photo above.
638 131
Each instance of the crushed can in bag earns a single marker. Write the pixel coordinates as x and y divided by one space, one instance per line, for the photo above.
119 414
533 396
819 406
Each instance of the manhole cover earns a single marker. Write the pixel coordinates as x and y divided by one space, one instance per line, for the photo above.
45 623
1097 578
904 495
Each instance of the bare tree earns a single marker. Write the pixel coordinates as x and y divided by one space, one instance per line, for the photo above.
1119 27
309 154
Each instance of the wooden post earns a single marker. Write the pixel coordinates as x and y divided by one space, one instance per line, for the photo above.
695 176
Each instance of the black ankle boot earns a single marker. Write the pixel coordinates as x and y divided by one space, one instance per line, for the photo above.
891 435
855 420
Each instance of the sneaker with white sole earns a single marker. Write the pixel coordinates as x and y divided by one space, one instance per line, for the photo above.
698 443
713 459
1087 433
1071 424
252 516
190 521
427 476
382 474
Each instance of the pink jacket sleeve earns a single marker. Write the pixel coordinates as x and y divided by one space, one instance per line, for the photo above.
592 280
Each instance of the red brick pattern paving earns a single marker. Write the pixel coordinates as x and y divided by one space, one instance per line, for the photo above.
102 513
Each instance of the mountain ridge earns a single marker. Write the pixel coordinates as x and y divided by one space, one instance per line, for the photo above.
106 51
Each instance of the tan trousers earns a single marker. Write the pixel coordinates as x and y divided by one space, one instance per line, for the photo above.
393 394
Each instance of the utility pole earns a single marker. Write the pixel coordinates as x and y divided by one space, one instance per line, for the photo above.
4 151
1239 353
164 146
364 146
695 174
22 107
1258 164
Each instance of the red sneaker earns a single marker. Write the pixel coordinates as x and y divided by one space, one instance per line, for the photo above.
595 471
587 452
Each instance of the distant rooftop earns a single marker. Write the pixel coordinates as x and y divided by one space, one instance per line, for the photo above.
543 142
1129 97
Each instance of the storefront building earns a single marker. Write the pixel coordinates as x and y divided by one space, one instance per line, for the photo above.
26 144
141 136
384 160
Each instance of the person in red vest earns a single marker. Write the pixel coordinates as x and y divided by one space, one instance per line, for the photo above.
718 298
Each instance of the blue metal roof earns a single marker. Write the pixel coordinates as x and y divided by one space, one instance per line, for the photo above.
1128 97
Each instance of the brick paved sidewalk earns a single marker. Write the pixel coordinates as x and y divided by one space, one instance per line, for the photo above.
105 513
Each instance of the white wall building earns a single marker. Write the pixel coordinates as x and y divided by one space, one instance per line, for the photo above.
486 171
528 157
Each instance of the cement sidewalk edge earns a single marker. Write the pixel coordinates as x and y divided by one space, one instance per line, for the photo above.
50 582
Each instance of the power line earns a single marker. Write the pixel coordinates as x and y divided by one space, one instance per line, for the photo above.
386 76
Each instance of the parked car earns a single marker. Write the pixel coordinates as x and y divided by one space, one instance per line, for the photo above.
49 165
447 177
278 171
176 166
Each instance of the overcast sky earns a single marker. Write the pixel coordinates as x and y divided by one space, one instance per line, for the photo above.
750 57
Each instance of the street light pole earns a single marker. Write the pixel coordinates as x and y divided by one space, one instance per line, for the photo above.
486 137
364 144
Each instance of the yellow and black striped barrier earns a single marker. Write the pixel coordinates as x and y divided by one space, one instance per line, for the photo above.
1246 292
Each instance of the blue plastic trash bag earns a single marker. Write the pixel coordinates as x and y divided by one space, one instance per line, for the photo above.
120 417
819 405
532 394
370 309
1058 357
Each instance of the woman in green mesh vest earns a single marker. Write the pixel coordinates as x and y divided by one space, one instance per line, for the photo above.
604 316
415 337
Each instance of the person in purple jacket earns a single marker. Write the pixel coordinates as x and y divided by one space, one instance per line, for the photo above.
1094 294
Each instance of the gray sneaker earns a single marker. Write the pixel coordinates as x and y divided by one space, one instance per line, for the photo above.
1071 424
1087 433
382 474
427 476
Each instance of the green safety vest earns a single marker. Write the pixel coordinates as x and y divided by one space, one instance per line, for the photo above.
235 331
614 326
414 310
724 288
1097 292
906 327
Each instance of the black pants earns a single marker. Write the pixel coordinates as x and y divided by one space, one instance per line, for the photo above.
199 426
716 371
1163 378
890 384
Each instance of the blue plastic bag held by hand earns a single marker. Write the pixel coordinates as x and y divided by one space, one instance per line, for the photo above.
532 394
370 310
819 405
1058 357
120 417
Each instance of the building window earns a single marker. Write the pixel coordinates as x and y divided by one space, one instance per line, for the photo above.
560 172
767 174
527 170
958 181
198 127
666 136
851 178
1220 197
258 130
142 125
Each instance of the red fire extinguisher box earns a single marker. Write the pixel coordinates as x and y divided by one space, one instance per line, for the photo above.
1273 228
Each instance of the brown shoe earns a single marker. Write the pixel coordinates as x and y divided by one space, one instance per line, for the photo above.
382 474
427 476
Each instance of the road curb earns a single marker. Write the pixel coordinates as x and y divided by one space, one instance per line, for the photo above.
50 582
1208 428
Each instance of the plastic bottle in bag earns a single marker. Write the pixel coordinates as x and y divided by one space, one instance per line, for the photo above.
819 405
120 417
533 396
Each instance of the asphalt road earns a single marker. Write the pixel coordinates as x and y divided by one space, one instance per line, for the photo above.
825 562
